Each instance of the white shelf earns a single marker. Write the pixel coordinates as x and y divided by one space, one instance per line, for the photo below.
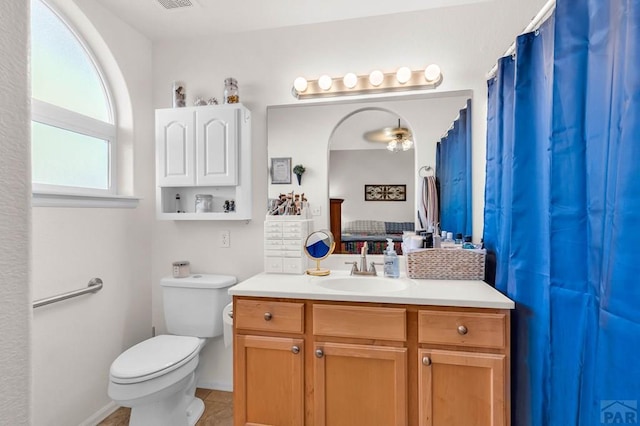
204 216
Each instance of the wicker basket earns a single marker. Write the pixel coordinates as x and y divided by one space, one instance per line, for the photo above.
446 264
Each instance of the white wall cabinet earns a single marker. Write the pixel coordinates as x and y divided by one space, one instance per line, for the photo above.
203 150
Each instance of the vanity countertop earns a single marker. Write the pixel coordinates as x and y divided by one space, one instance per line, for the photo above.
462 293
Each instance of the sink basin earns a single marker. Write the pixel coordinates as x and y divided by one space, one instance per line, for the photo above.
356 284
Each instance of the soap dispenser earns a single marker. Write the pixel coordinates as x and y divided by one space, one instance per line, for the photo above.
391 261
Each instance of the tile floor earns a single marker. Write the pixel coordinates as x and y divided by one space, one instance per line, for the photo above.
218 410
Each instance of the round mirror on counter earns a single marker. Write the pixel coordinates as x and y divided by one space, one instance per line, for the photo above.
318 246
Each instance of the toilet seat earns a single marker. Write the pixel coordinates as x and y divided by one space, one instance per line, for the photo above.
154 357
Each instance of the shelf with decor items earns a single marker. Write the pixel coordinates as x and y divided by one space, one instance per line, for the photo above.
204 150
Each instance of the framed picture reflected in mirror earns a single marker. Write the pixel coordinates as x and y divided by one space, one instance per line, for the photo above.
281 170
385 192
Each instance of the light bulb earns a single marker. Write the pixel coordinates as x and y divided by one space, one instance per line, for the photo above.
376 77
350 80
392 146
325 82
403 75
300 84
407 144
432 73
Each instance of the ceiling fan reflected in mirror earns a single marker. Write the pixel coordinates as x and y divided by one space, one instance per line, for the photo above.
396 138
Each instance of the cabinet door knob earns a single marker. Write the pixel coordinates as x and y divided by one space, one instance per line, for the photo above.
267 316
426 360
462 330
319 353
295 349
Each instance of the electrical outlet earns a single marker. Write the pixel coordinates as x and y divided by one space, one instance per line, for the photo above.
225 239
315 210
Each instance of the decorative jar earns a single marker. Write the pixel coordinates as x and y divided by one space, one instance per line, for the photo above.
231 94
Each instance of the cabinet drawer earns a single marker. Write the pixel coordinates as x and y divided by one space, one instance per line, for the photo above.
361 322
269 316
293 226
273 226
291 244
272 264
462 329
292 235
273 244
272 234
293 265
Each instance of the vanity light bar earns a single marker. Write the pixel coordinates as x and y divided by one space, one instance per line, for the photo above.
375 82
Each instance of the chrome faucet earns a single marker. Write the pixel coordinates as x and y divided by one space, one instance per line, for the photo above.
371 270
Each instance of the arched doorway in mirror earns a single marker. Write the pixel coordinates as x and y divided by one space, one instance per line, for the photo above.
371 180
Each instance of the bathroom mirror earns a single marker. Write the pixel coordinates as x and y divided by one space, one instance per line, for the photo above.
319 245
306 131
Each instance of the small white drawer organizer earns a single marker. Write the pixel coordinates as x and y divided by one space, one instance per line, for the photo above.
284 238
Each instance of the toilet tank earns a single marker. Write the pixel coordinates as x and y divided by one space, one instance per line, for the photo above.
193 305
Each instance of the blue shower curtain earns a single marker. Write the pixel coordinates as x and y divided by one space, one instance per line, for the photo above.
453 174
562 213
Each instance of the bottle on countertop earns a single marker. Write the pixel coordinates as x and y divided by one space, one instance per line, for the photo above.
391 261
436 241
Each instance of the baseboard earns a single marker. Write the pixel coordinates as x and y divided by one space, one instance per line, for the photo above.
221 386
100 415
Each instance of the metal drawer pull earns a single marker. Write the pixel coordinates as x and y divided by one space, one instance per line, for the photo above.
267 316
462 330
295 350
426 361
319 353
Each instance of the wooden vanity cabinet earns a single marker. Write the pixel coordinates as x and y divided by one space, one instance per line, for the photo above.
317 363
360 365
463 368
268 367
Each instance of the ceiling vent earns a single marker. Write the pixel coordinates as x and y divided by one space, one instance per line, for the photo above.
175 4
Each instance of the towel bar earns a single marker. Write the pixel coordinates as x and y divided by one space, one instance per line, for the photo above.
95 284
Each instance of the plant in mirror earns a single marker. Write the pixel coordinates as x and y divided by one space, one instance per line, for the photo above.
299 170
319 245
344 161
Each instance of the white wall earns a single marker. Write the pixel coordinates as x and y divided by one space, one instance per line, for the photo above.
464 41
75 341
15 217
350 170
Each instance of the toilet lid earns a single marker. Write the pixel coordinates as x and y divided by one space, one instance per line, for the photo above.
153 357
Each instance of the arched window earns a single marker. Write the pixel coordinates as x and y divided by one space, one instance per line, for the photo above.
73 122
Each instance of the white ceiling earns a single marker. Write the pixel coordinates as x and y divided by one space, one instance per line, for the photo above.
215 17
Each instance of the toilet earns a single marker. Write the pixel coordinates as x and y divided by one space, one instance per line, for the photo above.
157 378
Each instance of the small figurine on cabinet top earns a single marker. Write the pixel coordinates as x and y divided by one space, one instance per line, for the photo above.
199 102
179 94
